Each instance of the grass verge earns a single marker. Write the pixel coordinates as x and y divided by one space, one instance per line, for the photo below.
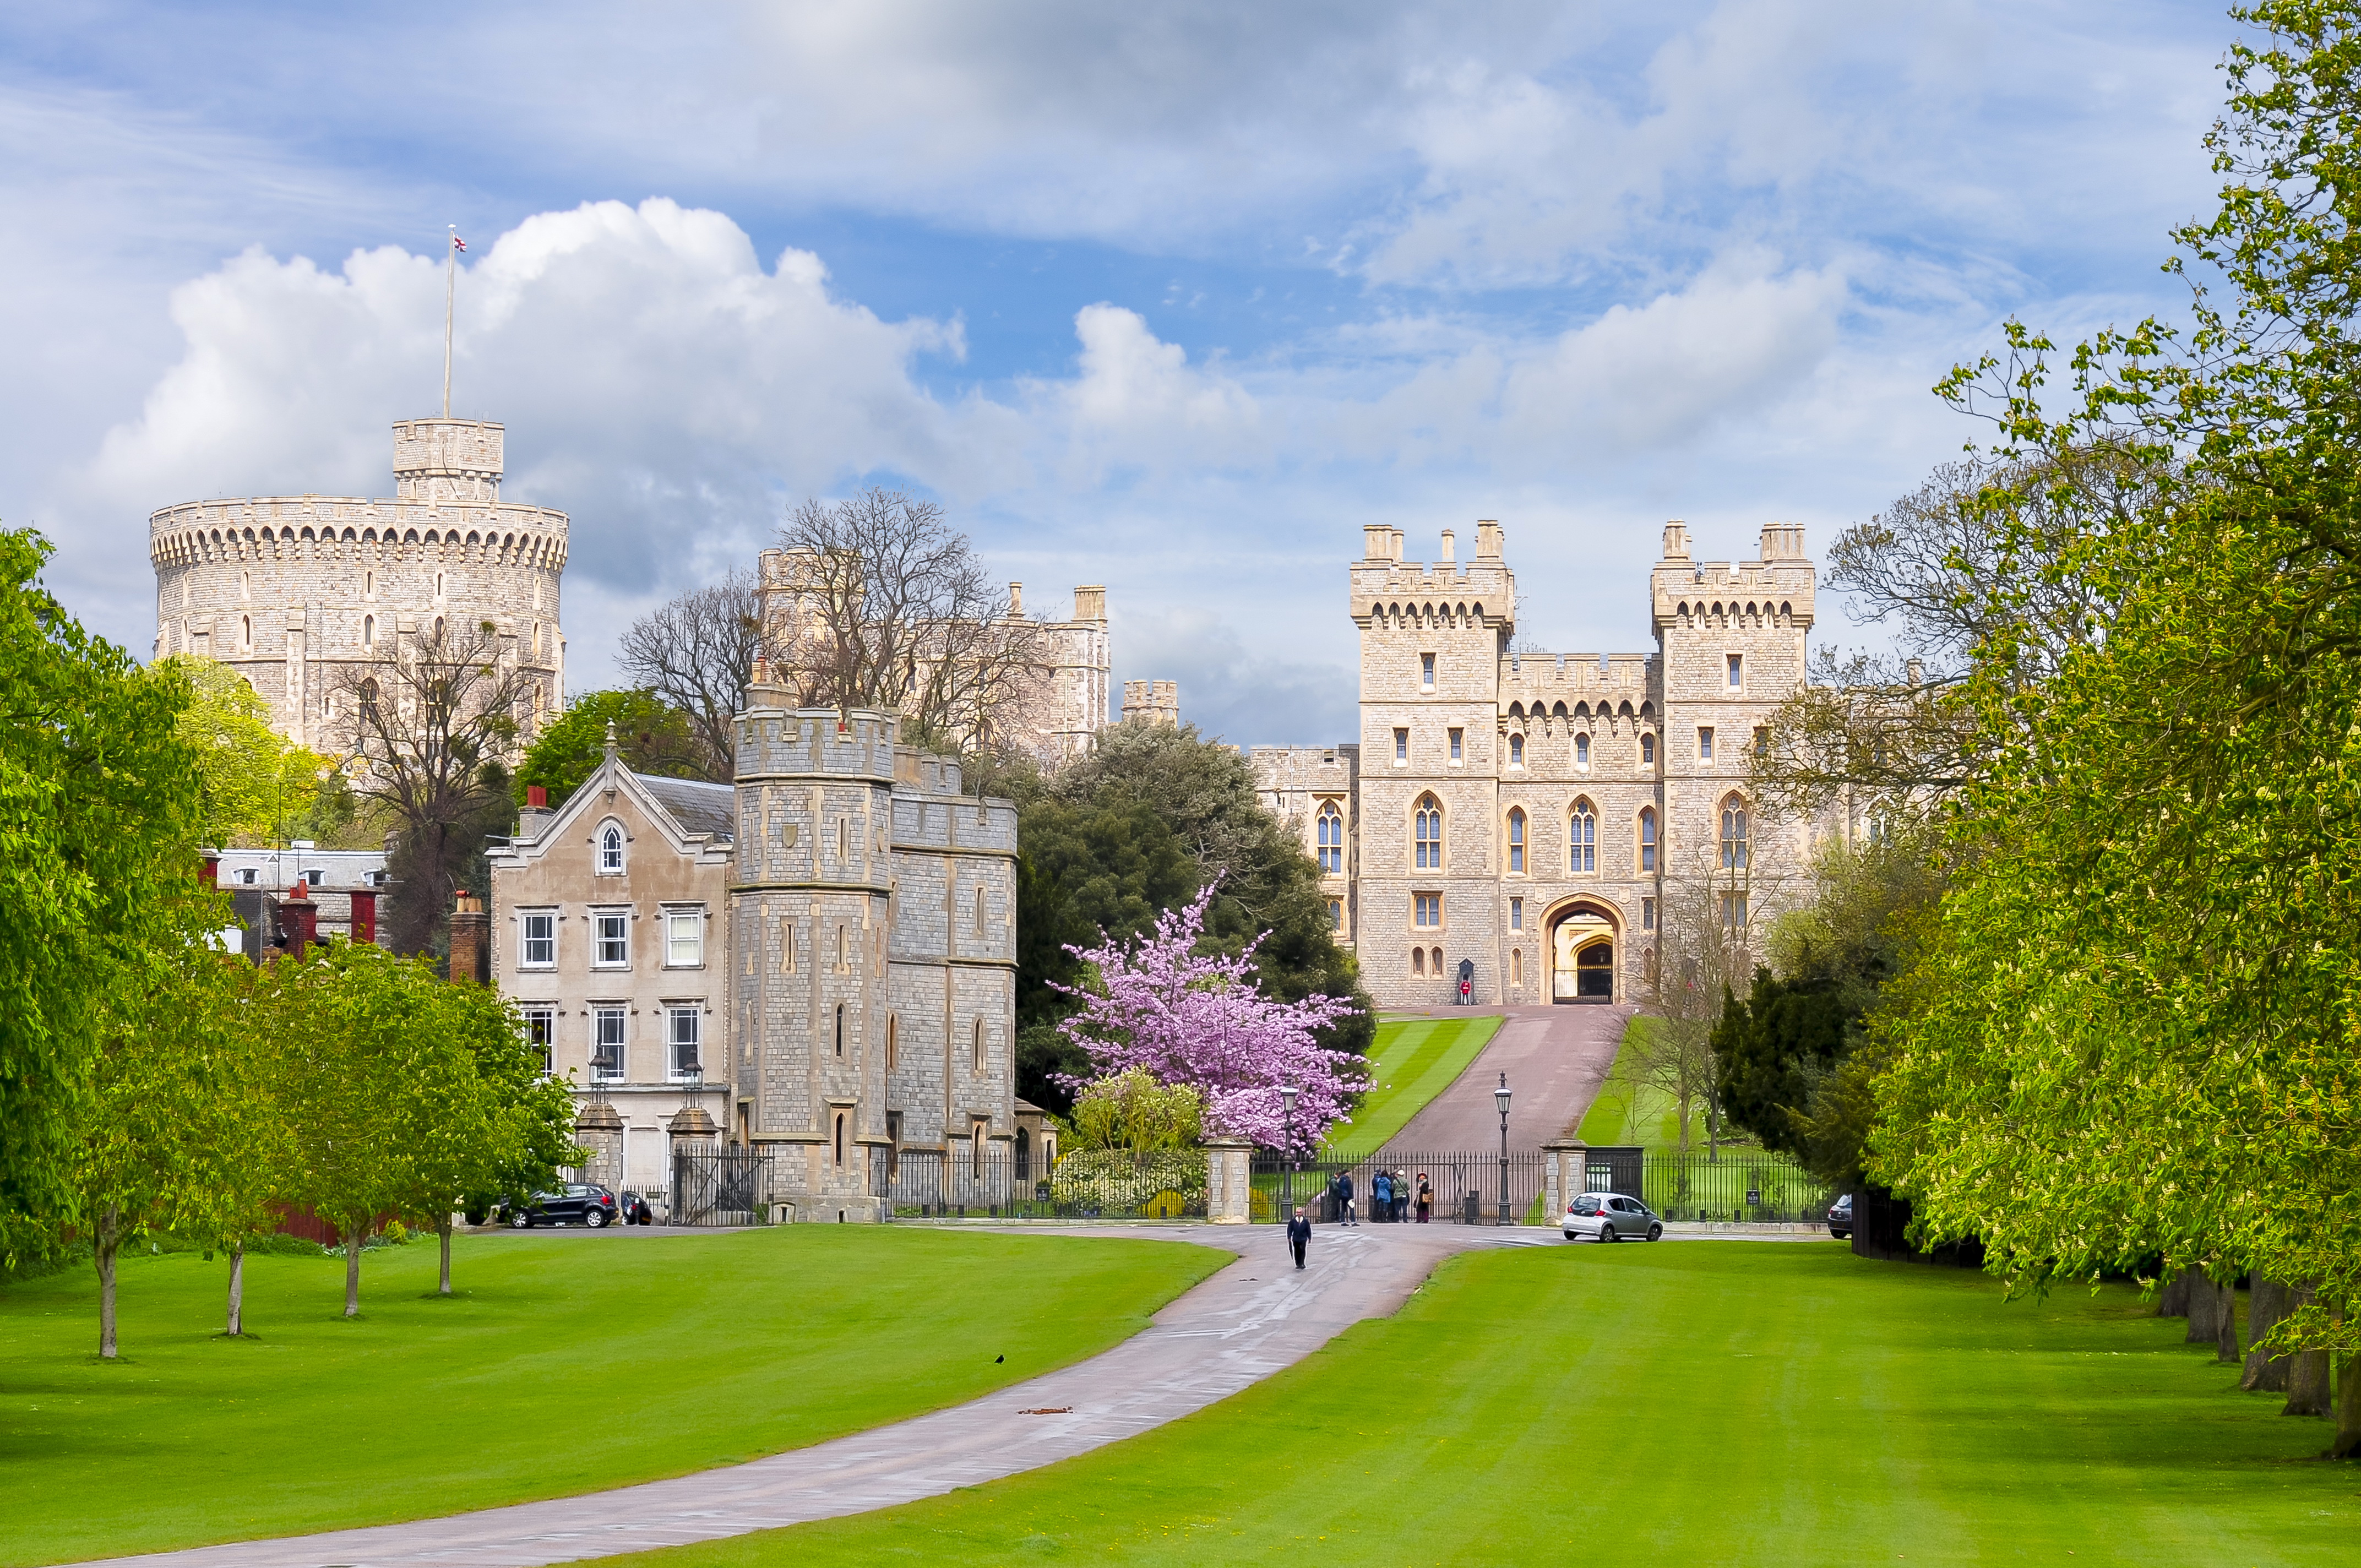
1689 1402
1412 1060
568 1364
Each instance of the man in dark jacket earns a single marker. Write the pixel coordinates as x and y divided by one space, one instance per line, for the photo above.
1345 1198
1299 1235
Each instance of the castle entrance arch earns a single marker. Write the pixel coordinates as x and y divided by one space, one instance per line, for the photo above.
1584 935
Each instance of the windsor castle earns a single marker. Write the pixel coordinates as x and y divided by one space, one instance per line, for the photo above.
827 944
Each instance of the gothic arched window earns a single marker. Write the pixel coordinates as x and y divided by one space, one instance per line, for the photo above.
1418 960
1516 840
368 702
1647 838
1330 827
1582 839
975 1051
1582 750
1427 834
1733 834
1516 750
610 849
1648 751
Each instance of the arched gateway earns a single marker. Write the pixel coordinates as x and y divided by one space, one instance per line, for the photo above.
1583 937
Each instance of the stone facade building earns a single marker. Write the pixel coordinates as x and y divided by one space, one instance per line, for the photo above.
819 957
296 591
1524 820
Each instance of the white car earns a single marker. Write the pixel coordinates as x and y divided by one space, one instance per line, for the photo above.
1610 1217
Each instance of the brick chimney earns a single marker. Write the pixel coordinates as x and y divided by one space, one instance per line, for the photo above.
536 814
471 938
364 917
299 919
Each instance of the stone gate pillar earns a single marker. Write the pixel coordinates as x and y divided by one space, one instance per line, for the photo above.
1568 1173
600 1129
1229 1180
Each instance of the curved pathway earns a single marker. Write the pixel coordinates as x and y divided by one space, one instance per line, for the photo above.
1247 1321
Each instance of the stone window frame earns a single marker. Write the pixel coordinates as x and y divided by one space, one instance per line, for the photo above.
525 938
1735 843
1647 836
619 1013
1458 738
1516 915
1328 832
1582 838
1736 664
675 1010
1518 829
1421 906
1425 673
1516 749
1426 849
1401 745
1647 748
541 1021
1582 750
679 911
1705 745
599 914
979 1048
610 841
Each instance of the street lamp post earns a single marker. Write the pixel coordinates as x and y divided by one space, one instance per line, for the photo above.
1286 1178
1501 1096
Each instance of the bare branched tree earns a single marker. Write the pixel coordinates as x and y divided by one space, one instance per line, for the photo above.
697 654
1984 555
435 728
878 602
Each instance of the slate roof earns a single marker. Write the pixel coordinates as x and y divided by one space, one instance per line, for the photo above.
697 807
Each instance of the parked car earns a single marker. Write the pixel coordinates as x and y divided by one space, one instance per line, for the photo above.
636 1210
1841 1218
575 1203
1610 1217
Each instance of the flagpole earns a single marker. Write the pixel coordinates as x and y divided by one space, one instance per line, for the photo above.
450 292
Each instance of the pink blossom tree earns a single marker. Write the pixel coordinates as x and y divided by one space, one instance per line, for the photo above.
1197 1019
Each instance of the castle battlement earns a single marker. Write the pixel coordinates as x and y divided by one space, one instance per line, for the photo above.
1387 588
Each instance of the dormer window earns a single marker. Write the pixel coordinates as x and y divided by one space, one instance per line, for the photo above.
610 849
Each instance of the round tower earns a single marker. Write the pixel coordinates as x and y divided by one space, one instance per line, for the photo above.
294 591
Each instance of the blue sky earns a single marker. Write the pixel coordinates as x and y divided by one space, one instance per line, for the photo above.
1170 298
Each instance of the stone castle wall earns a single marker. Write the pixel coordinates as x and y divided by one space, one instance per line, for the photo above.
1578 796
297 593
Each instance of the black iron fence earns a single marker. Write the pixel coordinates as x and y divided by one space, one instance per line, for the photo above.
1463 1187
719 1184
1739 1186
1006 1184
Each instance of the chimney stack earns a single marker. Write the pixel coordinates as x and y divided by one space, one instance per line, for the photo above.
1676 542
299 918
1487 540
471 938
364 917
1449 549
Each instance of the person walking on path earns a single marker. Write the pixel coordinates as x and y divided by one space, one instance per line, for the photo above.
1299 1235
1425 1200
1345 1198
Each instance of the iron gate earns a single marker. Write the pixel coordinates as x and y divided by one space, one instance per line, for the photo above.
1465 1187
720 1184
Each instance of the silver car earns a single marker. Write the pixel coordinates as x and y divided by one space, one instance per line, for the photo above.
1610 1217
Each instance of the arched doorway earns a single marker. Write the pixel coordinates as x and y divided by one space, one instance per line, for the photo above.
1583 941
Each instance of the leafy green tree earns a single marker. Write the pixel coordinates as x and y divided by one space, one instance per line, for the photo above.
251 1169
359 1026
98 831
650 738
156 1128
256 786
2131 1032
1133 1112
481 1121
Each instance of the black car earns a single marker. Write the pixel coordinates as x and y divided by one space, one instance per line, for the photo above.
1841 1217
635 1210
575 1203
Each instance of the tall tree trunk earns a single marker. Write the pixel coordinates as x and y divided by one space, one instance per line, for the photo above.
2173 1301
109 1240
2202 1303
236 1289
2266 1302
442 1229
353 1269
2307 1371
2347 1442
2225 1324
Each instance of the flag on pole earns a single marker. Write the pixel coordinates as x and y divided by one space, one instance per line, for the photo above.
456 243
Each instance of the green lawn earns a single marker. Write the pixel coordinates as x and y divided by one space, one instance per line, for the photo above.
1413 1061
1626 1112
570 1363
1683 1403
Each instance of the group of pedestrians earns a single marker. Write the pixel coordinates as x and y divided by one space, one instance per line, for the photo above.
1392 1199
